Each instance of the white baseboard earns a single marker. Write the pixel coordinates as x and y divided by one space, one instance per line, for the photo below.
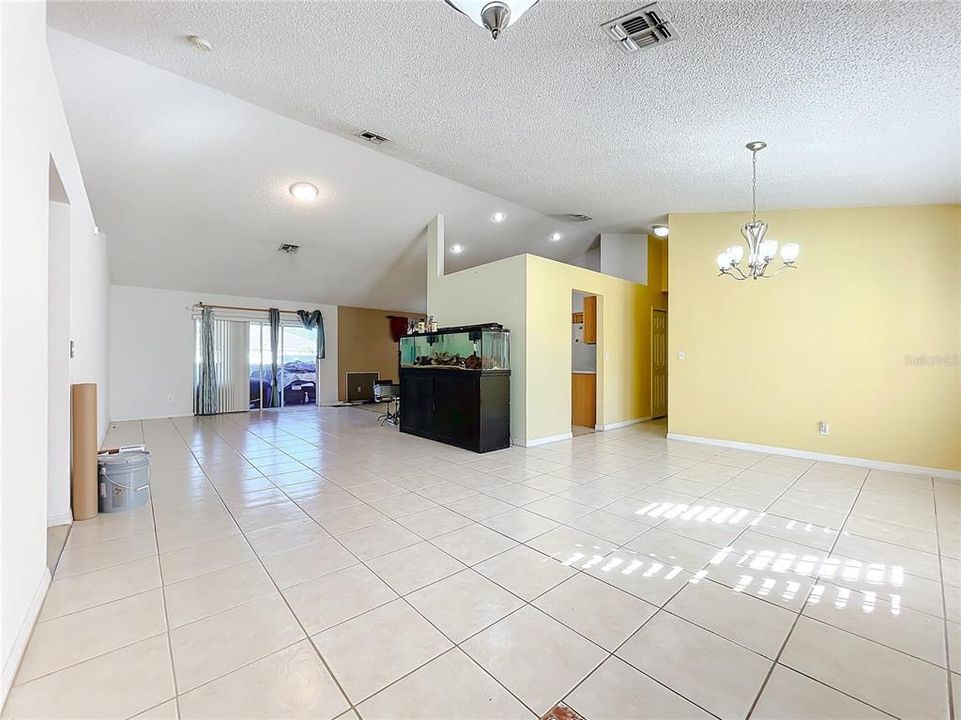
59 519
824 457
543 440
12 661
622 423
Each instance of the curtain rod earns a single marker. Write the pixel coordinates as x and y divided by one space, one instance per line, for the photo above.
235 307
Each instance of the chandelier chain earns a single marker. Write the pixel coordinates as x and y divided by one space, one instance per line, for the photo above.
754 186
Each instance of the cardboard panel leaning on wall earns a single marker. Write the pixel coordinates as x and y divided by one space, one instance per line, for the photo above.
865 334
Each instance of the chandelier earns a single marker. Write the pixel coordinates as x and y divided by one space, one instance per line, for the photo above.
495 15
761 253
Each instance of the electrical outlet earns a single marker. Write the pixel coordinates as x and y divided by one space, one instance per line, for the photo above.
824 428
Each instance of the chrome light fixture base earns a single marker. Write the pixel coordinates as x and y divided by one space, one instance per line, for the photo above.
761 253
493 15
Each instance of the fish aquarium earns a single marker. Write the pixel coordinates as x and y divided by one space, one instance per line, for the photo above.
470 347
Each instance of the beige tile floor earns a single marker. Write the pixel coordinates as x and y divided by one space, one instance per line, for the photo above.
312 564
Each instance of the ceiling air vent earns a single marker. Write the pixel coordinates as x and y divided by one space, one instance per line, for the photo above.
572 217
288 248
641 29
372 137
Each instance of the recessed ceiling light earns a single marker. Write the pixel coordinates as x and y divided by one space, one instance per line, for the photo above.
304 191
660 230
498 217
457 249
200 42
555 237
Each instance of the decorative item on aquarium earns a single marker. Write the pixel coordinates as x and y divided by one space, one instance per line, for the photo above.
472 362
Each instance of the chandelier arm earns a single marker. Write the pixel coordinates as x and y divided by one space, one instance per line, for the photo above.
784 267
739 273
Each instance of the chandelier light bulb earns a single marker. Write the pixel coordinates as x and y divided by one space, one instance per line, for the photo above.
789 252
723 261
768 249
736 253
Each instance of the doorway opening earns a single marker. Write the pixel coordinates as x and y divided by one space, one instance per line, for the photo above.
584 334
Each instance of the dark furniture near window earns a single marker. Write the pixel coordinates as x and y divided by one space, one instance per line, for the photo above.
455 386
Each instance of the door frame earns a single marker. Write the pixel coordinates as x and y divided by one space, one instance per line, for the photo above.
653 315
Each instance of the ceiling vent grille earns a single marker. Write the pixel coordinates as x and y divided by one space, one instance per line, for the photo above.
572 217
372 137
641 29
288 248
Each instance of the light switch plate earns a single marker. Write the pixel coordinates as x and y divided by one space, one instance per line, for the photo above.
681 355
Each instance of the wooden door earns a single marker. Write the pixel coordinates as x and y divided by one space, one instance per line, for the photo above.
658 363
590 320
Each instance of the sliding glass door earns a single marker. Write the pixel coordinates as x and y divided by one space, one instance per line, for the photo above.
243 365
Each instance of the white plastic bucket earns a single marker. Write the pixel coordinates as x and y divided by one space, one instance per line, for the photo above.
124 479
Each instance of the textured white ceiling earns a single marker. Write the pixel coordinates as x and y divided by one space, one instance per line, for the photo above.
190 186
859 102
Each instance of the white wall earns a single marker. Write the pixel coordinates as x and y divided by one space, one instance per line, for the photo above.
58 367
152 349
33 130
624 256
589 260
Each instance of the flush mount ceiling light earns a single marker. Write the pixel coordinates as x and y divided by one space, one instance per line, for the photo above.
760 252
200 42
494 15
304 191
660 231
555 237
456 249
498 217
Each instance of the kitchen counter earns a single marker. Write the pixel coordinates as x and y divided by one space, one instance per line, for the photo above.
584 372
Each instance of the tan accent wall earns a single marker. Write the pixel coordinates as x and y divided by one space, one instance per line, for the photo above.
364 344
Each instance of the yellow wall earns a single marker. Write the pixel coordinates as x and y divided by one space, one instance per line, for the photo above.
768 359
623 346
532 296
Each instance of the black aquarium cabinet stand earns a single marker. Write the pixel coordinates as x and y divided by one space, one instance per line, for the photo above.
455 386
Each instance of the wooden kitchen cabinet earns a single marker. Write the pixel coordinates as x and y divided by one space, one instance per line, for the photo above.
584 399
590 320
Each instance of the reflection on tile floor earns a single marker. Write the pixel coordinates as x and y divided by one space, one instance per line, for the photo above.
310 563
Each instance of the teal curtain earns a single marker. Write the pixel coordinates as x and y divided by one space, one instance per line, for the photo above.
206 402
275 388
310 321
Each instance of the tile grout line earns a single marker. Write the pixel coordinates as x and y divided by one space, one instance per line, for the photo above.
800 611
163 592
289 609
952 710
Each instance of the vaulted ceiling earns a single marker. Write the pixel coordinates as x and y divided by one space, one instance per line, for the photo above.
187 154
